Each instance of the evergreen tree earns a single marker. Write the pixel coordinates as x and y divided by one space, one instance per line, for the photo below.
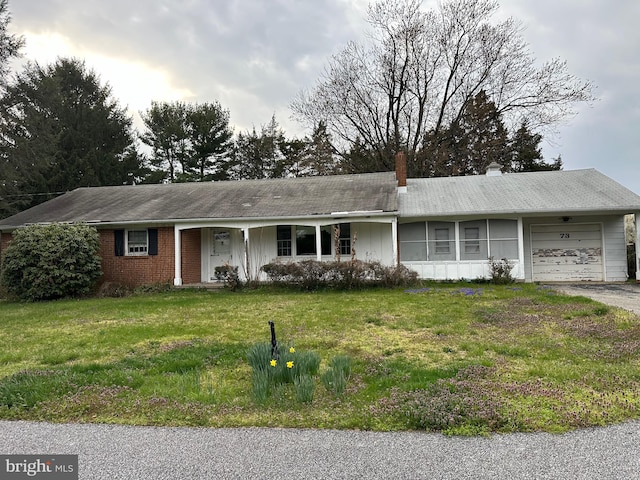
166 134
61 129
10 44
468 145
526 153
211 141
320 158
259 155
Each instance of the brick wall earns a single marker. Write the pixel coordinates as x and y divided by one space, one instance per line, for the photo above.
138 270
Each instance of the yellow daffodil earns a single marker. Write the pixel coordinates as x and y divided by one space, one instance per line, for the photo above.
292 350
289 364
273 362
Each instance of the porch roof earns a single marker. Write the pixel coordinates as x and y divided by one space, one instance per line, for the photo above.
533 193
269 198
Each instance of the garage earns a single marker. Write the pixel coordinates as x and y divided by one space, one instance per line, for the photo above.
567 252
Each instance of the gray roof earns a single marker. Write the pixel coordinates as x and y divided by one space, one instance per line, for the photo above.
534 193
273 198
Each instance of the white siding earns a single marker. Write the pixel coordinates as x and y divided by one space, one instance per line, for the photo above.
373 242
615 250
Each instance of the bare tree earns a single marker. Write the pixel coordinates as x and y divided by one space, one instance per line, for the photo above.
419 69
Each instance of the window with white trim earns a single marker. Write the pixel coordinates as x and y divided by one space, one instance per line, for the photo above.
305 240
284 240
344 238
137 242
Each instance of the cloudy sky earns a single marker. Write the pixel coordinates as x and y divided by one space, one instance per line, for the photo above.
254 56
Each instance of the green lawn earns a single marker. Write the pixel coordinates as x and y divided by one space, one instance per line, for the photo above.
463 359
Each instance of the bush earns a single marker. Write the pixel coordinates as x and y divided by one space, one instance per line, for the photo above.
351 275
501 271
229 275
44 262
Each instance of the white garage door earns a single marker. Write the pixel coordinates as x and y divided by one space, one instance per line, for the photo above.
563 253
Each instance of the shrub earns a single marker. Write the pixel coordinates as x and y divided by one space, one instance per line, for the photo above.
45 262
500 271
351 275
229 276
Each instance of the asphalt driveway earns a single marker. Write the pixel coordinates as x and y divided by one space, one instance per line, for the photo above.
623 295
147 453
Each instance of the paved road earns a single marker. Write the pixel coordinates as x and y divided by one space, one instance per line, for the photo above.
147 453
623 295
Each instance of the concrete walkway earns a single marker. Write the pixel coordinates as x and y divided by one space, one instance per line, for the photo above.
623 295
147 453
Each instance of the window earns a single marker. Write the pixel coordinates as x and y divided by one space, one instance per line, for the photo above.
473 240
326 236
441 244
284 240
442 240
478 240
344 239
305 243
413 241
136 242
503 242
305 240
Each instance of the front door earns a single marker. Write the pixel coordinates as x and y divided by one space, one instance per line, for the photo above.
219 250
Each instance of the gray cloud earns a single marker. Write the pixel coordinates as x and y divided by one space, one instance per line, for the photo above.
255 55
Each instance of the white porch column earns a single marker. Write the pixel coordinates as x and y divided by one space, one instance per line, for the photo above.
394 241
247 264
318 244
637 215
177 279
520 249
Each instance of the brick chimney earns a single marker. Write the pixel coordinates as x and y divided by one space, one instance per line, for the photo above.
401 169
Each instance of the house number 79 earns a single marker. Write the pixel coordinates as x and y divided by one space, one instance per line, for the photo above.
564 235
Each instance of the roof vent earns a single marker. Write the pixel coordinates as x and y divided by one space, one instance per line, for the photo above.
494 169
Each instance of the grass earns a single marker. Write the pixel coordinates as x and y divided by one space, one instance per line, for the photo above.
455 358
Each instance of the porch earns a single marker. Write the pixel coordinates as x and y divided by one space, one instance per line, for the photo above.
248 246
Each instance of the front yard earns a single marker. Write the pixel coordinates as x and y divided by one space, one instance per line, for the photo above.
463 359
